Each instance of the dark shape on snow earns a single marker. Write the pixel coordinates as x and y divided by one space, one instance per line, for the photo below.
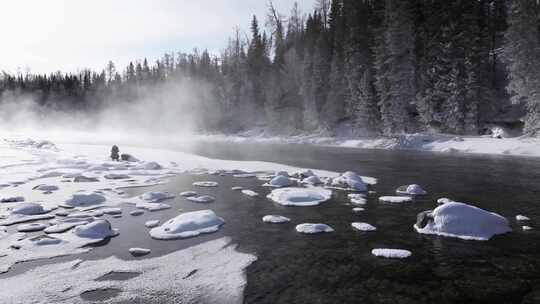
114 153
423 218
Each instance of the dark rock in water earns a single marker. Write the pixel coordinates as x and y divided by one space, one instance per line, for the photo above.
84 179
128 157
423 218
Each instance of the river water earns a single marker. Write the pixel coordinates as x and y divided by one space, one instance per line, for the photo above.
338 267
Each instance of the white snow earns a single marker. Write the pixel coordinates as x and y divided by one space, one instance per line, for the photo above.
464 221
112 211
237 188
395 199
522 218
201 199
300 196
12 199
219 278
412 189
363 226
188 193
151 224
312 180
152 201
311 228
188 224
85 199
205 184
116 176
250 193
98 229
526 228
391 253
350 181
139 251
28 209
357 198
279 181
444 200
275 219
31 227
136 212
358 209
156 196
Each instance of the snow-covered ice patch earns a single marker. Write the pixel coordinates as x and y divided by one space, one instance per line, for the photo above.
151 223
312 180
395 199
31 227
363 226
444 200
188 224
12 199
391 253
139 251
116 176
526 228
350 181
28 209
237 188
205 184
412 189
275 219
155 196
522 218
358 209
463 221
312 228
188 193
300 196
46 188
85 199
136 212
357 198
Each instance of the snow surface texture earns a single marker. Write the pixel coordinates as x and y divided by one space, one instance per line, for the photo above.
445 143
300 196
413 189
219 278
250 193
311 228
350 181
279 181
275 219
188 224
391 253
464 221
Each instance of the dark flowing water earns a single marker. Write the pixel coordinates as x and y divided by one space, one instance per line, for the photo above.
338 267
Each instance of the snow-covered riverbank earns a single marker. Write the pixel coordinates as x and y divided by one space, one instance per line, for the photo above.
444 143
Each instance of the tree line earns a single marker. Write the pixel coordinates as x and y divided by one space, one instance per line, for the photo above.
365 67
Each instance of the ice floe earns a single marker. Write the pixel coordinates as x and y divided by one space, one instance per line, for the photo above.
250 193
151 223
463 221
412 189
522 218
357 198
312 180
112 211
201 199
139 251
358 209
311 228
156 196
99 229
363 226
300 196
275 219
85 199
205 184
31 227
136 212
188 193
526 228
395 199
444 200
12 199
188 224
391 253
349 181
28 209
237 188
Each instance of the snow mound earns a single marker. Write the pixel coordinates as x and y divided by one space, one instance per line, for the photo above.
31 227
250 193
279 181
363 227
205 184
282 173
526 228
300 196
201 199
350 181
357 198
312 180
28 209
85 199
188 224
155 196
139 251
310 228
136 212
111 211
275 219
522 218
463 221
412 189
395 199
46 188
358 209
237 188
303 174
188 193
12 199
444 200
151 224
98 229
391 253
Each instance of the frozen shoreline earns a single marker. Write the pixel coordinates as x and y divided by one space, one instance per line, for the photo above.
442 143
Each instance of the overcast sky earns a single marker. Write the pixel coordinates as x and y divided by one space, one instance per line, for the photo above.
67 35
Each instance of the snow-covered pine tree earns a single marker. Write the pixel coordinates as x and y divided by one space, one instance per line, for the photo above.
522 50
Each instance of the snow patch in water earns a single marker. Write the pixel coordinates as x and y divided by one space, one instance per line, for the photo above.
395 199
188 224
300 196
275 219
391 253
311 228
